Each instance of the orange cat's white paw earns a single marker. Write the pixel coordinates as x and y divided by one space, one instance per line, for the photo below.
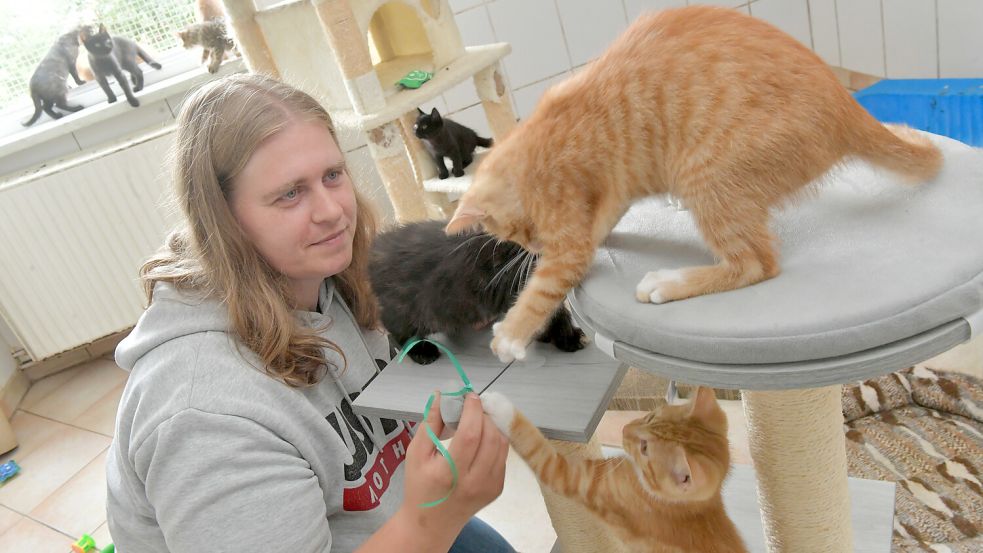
500 409
505 347
653 286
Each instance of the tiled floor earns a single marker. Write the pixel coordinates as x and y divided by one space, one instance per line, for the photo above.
64 426
65 423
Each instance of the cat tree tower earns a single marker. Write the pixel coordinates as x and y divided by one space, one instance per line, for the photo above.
350 54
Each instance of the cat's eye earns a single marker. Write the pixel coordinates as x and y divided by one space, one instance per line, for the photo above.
643 447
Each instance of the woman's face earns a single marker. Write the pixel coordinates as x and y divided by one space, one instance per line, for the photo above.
296 204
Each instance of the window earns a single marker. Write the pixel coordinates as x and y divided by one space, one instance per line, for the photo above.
31 27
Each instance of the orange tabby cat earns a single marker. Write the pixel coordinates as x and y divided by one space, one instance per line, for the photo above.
665 496
723 111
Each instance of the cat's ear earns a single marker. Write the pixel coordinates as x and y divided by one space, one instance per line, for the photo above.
419 111
704 406
102 28
84 33
435 115
466 216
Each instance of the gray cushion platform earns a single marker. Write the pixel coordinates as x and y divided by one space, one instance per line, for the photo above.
873 270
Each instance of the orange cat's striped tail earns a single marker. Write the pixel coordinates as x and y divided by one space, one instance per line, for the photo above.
899 149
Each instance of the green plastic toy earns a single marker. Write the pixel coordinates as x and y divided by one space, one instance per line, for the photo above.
86 544
414 79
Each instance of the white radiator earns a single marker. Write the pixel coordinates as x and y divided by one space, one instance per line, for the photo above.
72 241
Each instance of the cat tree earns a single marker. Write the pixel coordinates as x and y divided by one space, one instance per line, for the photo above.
350 53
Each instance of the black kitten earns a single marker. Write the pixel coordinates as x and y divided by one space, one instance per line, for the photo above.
428 282
48 83
109 55
443 137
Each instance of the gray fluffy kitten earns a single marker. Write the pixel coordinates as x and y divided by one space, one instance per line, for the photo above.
48 83
427 282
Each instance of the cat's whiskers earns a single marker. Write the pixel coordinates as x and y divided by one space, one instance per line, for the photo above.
466 242
517 280
505 268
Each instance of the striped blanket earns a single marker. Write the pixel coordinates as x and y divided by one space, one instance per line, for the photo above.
922 429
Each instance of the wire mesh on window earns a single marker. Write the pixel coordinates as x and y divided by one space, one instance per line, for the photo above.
31 27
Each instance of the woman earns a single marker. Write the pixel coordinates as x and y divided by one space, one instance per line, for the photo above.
236 431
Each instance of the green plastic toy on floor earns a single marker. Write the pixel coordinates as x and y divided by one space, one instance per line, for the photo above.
86 544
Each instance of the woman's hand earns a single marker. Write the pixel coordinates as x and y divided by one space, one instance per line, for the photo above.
479 450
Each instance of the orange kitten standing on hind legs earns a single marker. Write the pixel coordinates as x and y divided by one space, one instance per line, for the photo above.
723 111
664 496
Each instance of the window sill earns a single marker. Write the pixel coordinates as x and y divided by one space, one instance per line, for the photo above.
28 149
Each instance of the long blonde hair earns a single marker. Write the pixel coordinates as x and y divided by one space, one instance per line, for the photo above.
220 126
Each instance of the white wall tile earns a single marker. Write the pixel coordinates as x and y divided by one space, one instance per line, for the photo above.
533 29
475 30
636 7
909 39
473 117
825 36
861 36
458 6
590 26
527 97
960 38
791 16
724 3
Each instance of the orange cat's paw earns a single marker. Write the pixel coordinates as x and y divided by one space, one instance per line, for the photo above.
500 409
505 346
657 286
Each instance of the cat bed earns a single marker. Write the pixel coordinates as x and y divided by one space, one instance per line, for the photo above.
923 430
868 265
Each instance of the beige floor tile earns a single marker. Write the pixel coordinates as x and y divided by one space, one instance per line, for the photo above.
101 417
30 535
42 388
101 535
50 466
74 397
79 506
520 513
965 358
8 519
608 431
31 431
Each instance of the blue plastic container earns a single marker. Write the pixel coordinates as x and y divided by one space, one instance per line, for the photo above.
950 107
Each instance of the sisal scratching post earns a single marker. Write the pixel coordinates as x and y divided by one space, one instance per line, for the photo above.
249 37
577 530
799 452
424 168
490 86
389 152
348 44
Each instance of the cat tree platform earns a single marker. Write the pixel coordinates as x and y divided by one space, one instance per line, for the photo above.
876 276
564 394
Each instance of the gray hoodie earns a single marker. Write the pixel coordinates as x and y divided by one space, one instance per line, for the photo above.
211 454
